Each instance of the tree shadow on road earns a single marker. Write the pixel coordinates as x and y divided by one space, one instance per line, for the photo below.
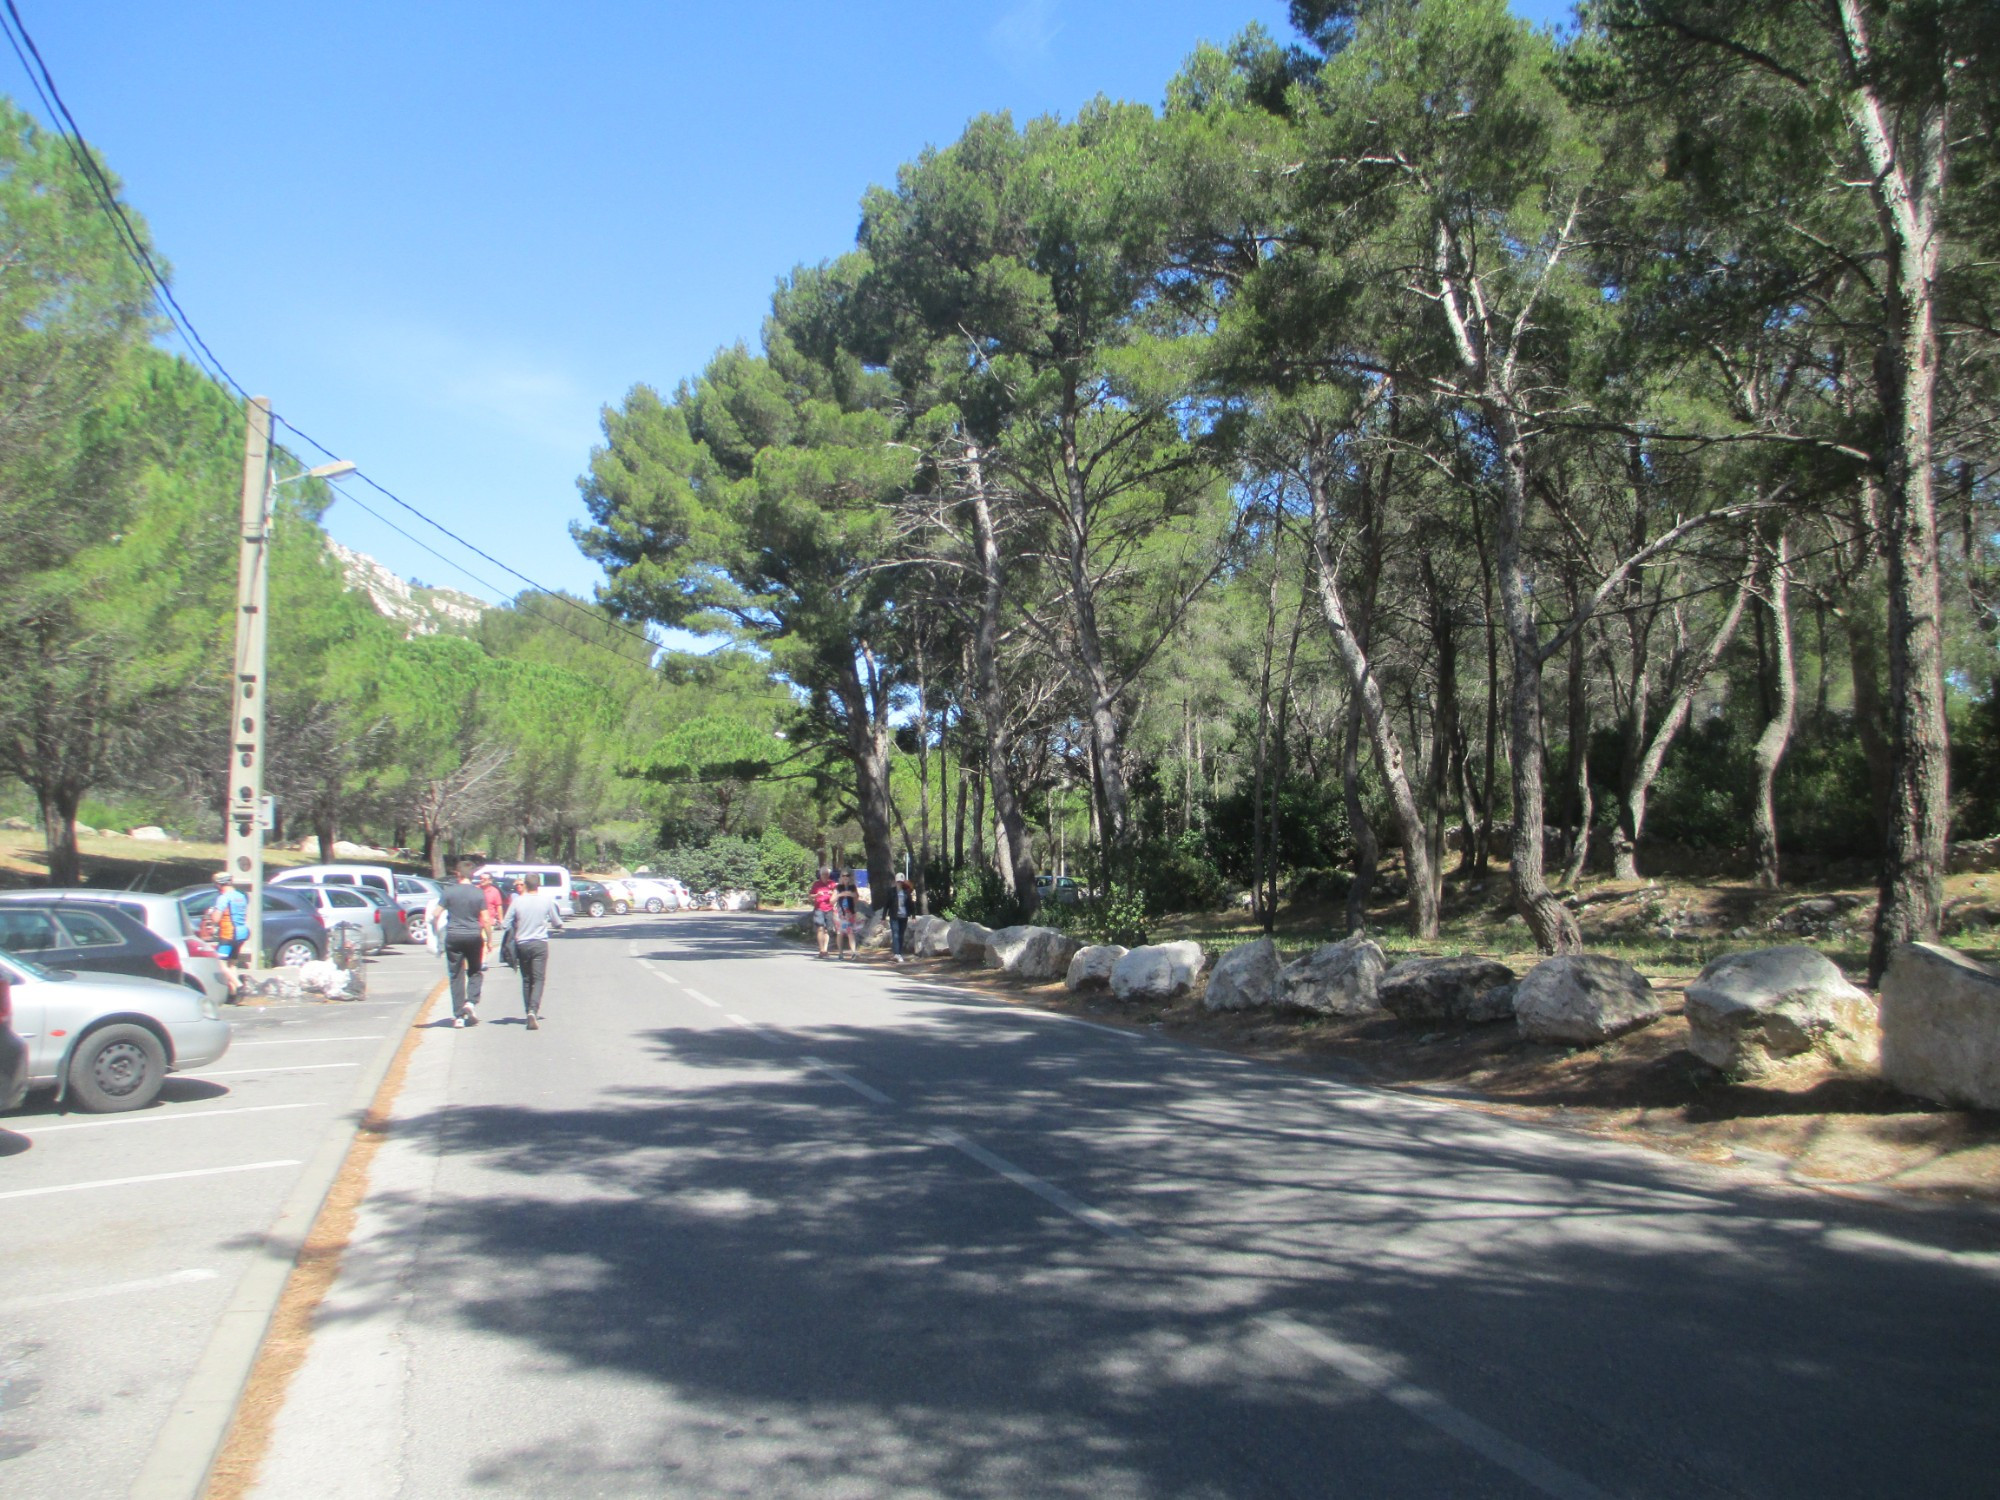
822 1294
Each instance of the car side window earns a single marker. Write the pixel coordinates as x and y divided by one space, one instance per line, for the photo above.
27 931
343 898
336 879
87 929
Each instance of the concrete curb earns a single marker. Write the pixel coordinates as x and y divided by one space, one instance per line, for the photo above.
187 1443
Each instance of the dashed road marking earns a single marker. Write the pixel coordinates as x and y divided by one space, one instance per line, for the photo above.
1365 1370
1048 1192
111 1182
746 1023
841 1075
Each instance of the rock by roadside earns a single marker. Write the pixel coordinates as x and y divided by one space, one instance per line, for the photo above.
1751 1013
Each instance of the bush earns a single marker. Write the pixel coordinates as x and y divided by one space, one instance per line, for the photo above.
785 867
986 897
724 863
1179 876
1119 917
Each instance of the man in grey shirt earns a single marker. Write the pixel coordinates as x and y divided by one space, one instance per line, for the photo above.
532 917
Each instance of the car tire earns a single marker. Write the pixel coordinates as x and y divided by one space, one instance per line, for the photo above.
597 909
294 951
620 908
655 905
419 930
117 1068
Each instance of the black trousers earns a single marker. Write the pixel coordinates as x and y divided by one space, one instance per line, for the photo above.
533 961
465 961
898 926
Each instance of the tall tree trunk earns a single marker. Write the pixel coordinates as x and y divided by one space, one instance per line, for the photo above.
1446 739
993 705
1366 696
1107 729
1367 852
867 731
1580 808
1281 757
1260 760
1864 662
58 805
1554 928
1778 728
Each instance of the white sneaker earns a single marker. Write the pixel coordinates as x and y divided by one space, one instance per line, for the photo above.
458 1021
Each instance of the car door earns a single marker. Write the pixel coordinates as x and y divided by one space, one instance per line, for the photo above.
98 946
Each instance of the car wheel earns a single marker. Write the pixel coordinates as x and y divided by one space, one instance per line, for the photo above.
598 908
117 1068
419 930
294 951
620 908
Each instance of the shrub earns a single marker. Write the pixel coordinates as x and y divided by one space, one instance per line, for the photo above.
784 866
725 862
984 896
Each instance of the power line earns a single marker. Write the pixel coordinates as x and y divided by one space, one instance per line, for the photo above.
134 244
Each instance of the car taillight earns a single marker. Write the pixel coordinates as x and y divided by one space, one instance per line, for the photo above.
6 1002
201 948
168 959
378 916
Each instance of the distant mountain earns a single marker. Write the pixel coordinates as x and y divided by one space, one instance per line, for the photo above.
419 610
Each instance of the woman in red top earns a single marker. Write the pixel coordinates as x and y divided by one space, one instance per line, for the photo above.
822 894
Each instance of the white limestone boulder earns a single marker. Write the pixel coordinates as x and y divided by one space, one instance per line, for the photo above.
1043 955
1337 979
1249 977
1584 998
1941 1026
1457 991
1090 968
925 937
151 834
1158 971
739 900
1748 1013
966 942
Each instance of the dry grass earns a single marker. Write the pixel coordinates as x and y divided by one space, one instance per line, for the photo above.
290 1333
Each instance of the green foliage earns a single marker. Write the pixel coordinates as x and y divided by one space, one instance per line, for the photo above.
785 867
984 896
723 863
1121 916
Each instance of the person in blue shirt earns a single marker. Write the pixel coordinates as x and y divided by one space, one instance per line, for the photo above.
232 940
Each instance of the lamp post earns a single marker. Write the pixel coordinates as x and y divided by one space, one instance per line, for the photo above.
244 829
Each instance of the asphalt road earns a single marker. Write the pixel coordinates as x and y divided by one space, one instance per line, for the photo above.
123 1237
741 1222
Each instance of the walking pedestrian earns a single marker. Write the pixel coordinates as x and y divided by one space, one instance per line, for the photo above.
902 906
461 913
823 891
227 925
531 917
847 915
496 908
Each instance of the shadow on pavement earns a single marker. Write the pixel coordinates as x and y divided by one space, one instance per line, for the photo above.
843 1305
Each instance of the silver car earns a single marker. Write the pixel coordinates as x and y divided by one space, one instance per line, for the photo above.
107 1043
163 916
343 906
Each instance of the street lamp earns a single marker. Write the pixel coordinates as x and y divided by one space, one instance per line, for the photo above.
244 820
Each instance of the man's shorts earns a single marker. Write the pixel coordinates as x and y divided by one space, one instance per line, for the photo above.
823 919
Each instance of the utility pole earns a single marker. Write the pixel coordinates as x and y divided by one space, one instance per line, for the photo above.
245 831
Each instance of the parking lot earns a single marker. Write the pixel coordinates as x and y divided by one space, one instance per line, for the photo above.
123 1238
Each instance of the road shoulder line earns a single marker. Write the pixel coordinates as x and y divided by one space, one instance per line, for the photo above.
188 1442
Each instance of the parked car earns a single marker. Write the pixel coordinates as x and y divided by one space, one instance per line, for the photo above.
164 917
415 894
653 895
619 894
108 1041
343 906
395 921
1061 889
13 1051
555 880
86 938
378 878
293 931
589 897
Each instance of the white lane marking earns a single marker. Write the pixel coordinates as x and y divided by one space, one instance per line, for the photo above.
841 1075
115 1289
107 1182
1364 1370
748 1025
695 993
284 1068
305 1041
711 1004
1048 1192
161 1117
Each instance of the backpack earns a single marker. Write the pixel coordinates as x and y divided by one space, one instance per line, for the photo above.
225 922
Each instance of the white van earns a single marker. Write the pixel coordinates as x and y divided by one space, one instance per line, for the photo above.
378 878
554 878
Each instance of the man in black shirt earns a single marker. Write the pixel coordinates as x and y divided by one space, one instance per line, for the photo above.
461 909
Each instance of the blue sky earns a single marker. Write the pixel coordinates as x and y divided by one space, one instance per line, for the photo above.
442 235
